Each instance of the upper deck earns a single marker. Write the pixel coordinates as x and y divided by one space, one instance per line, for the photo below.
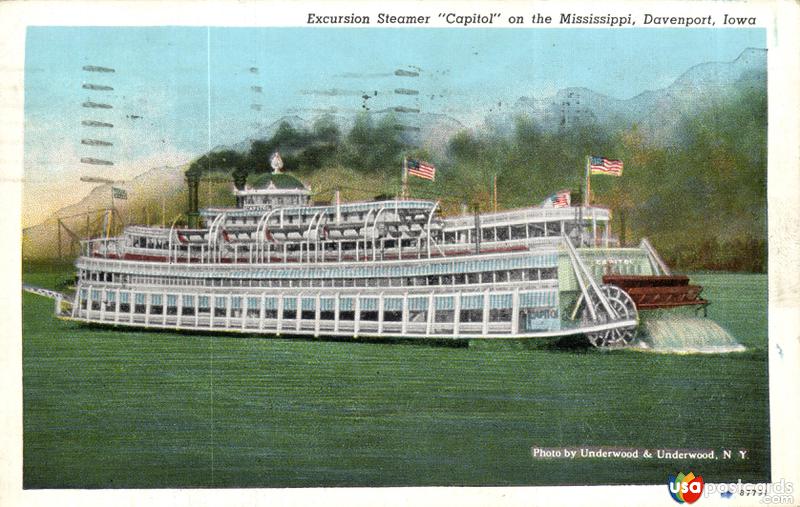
352 232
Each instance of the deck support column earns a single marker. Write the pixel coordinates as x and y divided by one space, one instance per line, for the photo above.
261 312
380 313
431 310
131 306
357 315
456 313
317 316
298 316
336 313
164 309
515 312
486 312
211 303
279 325
197 310
228 311
116 305
179 309
404 320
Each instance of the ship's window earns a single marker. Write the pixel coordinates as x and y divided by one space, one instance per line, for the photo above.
487 277
369 315
444 316
518 232
446 280
474 315
500 315
188 301
369 304
473 278
289 313
536 230
515 275
393 315
172 308
487 234
502 233
549 273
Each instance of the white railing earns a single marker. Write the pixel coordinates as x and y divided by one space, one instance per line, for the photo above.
528 215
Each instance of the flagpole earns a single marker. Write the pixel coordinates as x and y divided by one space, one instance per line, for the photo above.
587 197
112 210
404 191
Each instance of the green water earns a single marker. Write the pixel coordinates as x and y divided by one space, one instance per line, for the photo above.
105 408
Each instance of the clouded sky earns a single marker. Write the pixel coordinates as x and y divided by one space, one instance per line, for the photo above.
179 90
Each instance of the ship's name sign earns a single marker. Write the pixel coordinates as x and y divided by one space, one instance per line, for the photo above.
606 262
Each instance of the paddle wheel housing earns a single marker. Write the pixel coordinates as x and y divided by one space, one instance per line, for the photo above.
650 292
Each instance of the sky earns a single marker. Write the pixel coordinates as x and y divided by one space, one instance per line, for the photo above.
178 91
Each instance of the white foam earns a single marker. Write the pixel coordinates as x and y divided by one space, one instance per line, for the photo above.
682 334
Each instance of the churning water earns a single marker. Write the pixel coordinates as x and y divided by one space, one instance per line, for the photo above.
686 334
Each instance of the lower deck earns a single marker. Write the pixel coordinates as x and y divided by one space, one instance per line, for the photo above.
513 313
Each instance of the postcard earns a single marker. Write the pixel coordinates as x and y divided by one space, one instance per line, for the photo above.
445 253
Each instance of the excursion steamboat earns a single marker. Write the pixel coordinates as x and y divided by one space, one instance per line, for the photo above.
277 265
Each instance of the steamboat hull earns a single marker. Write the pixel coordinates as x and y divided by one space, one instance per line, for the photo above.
371 269
521 294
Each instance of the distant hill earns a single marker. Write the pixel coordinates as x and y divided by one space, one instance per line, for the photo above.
145 194
658 113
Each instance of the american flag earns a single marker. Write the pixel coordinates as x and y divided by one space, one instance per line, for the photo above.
421 169
602 165
560 199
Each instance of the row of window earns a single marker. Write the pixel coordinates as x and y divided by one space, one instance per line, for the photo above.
486 277
539 305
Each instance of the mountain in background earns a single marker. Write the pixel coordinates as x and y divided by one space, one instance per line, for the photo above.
145 195
658 114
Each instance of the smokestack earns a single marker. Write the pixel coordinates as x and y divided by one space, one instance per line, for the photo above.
193 215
